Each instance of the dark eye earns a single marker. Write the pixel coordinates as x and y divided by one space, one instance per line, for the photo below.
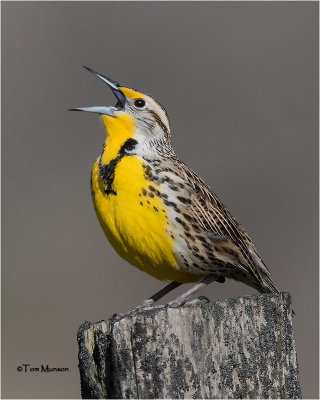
139 103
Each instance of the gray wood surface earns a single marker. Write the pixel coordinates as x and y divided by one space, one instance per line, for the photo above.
234 348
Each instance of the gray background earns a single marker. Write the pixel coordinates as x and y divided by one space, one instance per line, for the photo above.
240 83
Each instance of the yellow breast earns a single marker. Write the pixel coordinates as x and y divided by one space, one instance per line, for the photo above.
137 225
132 215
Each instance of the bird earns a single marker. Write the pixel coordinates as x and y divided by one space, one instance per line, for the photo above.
156 212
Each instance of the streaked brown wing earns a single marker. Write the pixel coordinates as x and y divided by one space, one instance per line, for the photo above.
213 216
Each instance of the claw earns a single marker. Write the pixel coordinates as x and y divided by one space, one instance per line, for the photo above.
198 300
204 299
174 304
135 311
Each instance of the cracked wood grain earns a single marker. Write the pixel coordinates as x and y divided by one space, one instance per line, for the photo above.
233 348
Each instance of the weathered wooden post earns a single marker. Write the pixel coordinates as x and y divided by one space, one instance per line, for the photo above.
234 348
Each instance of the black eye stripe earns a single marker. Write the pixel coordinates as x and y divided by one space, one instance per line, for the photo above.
158 120
139 103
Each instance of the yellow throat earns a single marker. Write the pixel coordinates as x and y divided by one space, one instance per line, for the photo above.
129 206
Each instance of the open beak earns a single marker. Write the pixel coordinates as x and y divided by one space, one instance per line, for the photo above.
114 86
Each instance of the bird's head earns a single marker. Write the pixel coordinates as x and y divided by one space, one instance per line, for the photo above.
136 115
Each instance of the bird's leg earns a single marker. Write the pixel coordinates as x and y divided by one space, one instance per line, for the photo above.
157 296
151 300
180 300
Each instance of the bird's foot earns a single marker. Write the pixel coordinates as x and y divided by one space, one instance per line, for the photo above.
148 305
145 306
130 313
199 300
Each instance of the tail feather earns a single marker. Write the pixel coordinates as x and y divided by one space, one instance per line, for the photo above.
267 285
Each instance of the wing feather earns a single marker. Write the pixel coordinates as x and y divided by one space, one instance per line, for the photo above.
213 216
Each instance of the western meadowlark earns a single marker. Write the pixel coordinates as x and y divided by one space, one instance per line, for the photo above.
156 212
